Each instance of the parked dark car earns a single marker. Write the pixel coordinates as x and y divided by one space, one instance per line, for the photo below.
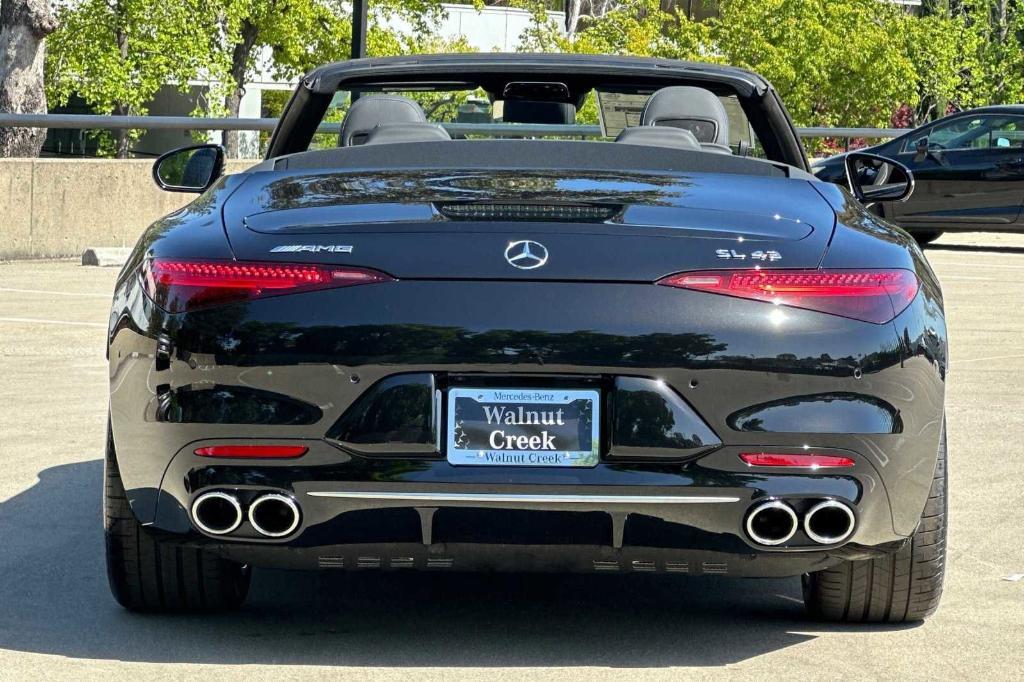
969 170
674 352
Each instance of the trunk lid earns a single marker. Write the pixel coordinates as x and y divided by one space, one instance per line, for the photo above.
593 225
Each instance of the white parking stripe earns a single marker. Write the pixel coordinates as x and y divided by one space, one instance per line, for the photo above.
33 320
954 362
997 266
55 293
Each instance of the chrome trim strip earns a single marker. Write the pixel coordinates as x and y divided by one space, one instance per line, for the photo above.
512 497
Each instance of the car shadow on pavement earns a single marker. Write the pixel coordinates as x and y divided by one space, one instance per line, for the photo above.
54 600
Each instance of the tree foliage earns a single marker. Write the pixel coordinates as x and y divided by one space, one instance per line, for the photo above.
835 62
998 30
116 54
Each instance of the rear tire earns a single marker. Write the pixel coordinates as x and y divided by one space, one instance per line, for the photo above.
926 236
148 573
902 587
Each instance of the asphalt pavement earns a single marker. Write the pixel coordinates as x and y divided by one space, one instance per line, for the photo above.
58 620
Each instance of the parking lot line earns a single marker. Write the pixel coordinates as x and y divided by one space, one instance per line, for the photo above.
55 293
34 320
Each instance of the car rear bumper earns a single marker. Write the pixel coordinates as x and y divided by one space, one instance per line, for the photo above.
418 514
476 557
820 382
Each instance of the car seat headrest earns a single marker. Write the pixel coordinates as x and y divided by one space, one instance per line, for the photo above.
690 108
370 111
393 133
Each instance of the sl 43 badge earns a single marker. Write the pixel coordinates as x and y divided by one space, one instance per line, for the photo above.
730 254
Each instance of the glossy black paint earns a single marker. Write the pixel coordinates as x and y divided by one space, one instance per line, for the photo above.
650 421
738 359
397 416
668 221
688 380
960 188
817 414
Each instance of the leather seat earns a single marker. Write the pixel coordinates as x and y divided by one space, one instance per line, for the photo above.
370 111
694 109
394 133
651 136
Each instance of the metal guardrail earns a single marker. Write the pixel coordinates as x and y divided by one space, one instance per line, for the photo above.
870 133
94 122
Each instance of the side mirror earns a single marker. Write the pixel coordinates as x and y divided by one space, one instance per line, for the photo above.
189 169
875 178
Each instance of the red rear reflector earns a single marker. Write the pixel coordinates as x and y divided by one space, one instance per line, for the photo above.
253 451
777 459
179 285
869 295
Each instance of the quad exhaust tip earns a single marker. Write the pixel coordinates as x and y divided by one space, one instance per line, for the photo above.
772 523
274 515
829 522
217 513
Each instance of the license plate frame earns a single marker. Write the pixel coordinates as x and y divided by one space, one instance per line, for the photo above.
542 425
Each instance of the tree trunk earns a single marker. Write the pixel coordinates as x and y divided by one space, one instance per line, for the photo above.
24 25
240 56
572 16
1002 27
122 137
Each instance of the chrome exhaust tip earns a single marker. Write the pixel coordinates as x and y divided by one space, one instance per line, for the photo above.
829 522
772 523
274 515
216 513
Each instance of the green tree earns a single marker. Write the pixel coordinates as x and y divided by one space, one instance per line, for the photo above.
998 76
944 51
116 54
634 27
833 61
301 34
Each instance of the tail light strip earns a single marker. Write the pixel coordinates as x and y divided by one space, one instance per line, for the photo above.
869 295
185 285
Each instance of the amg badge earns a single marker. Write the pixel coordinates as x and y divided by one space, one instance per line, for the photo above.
311 248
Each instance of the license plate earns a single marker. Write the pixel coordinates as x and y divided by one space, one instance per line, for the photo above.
523 427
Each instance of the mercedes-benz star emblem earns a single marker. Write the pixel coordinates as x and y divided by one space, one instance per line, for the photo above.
526 255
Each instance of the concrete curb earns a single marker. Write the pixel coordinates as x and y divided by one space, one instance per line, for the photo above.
106 256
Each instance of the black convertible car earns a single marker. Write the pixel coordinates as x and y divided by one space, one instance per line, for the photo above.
449 334
969 169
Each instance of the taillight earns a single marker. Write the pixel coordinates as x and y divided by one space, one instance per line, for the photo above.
253 451
869 295
183 285
800 460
